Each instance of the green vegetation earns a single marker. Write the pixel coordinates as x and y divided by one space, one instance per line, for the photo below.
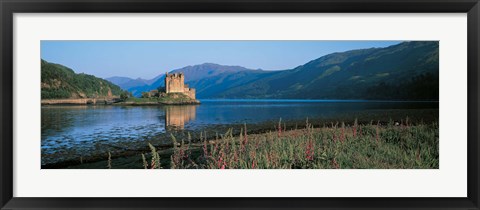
175 98
125 95
141 100
372 146
60 82
421 87
406 71
163 98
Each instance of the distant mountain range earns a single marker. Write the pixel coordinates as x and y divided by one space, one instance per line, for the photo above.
406 71
193 74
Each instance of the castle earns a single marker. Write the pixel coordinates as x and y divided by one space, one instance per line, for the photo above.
175 83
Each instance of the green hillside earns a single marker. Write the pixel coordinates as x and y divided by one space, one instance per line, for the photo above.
407 71
61 82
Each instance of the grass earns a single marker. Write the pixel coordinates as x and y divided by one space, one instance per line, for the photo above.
175 98
393 145
141 100
169 98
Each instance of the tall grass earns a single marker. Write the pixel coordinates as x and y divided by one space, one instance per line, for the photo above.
368 146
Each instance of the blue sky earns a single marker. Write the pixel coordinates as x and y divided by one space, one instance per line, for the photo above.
147 59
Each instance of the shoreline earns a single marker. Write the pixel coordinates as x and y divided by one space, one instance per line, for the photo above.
130 157
96 150
112 101
133 103
118 101
79 101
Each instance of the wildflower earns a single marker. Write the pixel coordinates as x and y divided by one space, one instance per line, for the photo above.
334 137
335 164
253 156
153 164
205 150
355 124
145 163
280 128
220 161
245 135
342 136
418 154
310 151
235 156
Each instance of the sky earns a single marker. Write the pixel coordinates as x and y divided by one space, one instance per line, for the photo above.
148 59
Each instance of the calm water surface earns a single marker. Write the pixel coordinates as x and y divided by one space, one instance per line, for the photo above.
89 126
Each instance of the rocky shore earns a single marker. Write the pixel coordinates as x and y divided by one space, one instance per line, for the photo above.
117 101
80 101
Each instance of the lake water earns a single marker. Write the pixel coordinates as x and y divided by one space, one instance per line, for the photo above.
83 129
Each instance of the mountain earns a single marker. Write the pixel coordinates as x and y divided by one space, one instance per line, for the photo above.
406 71
216 86
61 82
193 74
208 70
127 83
119 80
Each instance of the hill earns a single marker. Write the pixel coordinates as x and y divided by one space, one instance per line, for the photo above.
406 71
61 82
194 74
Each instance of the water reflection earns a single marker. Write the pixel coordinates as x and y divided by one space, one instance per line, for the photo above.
177 116
85 129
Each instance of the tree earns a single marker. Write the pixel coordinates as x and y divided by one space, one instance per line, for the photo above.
161 89
124 95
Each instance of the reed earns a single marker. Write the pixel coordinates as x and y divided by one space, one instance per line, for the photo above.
359 146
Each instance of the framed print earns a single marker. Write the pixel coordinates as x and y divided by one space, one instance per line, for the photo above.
239 105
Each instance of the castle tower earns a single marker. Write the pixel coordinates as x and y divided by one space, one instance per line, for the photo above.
174 83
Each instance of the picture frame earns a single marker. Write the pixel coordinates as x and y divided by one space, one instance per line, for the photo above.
9 8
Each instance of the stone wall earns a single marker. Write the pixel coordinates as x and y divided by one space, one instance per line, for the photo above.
190 92
174 83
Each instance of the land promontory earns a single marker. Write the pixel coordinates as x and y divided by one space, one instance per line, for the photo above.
60 85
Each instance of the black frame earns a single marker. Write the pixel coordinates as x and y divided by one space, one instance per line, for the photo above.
9 7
